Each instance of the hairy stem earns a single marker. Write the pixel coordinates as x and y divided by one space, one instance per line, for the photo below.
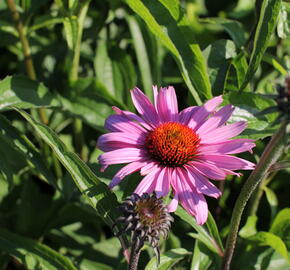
270 155
135 253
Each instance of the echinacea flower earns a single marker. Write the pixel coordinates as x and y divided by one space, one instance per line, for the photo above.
178 150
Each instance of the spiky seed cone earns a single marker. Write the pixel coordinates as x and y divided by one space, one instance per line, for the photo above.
146 218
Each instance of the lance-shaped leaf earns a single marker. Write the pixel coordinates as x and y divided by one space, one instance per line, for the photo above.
265 28
168 22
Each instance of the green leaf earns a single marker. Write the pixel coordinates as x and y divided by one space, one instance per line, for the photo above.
24 93
250 227
168 259
283 26
266 25
202 235
236 73
141 53
270 239
219 55
247 107
233 28
25 149
94 191
213 230
202 259
33 254
71 31
272 200
167 21
43 22
281 226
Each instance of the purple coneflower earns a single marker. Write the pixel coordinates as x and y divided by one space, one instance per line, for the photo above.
178 150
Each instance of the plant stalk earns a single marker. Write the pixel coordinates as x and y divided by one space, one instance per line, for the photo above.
270 155
29 67
73 77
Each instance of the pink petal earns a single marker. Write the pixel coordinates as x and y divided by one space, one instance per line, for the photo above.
167 104
128 169
144 107
186 114
124 155
204 111
172 206
121 123
216 120
132 116
223 133
162 185
117 140
208 170
201 183
227 147
151 166
228 162
193 202
155 95
148 183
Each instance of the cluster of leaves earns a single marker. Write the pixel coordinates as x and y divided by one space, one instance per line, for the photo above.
55 208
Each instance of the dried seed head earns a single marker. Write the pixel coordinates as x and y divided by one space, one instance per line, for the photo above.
146 218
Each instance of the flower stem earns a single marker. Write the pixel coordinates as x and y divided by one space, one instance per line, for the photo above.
135 253
270 155
73 77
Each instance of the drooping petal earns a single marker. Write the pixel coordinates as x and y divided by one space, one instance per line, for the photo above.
228 147
172 206
128 169
209 170
167 106
186 114
227 162
217 120
203 112
120 156
201 183
116 140
223 133
148 183
121 123
144 107
162 185
191 200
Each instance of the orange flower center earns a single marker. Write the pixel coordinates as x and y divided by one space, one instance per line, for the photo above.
172 144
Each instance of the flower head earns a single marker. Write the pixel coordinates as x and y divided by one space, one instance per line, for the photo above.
146 218
178 150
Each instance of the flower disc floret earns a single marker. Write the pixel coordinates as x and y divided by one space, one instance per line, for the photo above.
172 144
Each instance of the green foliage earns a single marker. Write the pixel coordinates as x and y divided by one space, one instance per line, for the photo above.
55 207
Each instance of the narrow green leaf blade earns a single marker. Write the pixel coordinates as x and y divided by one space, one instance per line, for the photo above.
33 254
167 21
141 53
266 25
